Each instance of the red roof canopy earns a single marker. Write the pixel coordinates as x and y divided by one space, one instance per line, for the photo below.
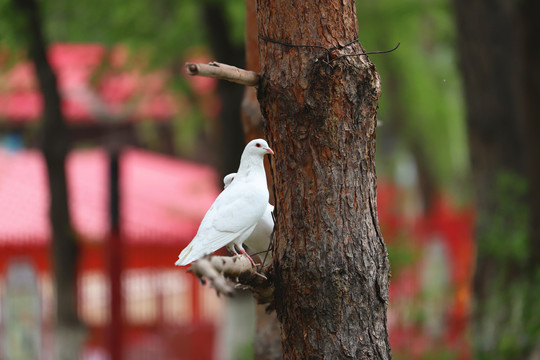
91 80
163 199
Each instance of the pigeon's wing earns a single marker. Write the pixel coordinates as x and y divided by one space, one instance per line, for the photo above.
242 207
208 242
234 214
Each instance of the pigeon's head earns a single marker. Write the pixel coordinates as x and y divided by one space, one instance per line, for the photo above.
258 146
227 180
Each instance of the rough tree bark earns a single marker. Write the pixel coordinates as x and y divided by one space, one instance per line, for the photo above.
499 51
55 147
330 261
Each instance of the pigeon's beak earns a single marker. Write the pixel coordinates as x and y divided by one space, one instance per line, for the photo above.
268 150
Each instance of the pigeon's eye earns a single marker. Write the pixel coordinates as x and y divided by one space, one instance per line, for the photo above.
258 144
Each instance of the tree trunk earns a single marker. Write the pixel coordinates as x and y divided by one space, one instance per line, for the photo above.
531 91
54 147
231 141
497 49
330 261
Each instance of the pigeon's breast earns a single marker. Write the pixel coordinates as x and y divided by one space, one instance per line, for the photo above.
257 194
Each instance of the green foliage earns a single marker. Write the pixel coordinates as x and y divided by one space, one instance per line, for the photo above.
166 28
401 254
236 13
421 99
187 128
12 28
507 320
504 235
163 29
245 352
508 326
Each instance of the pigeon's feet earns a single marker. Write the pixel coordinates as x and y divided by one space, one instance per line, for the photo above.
243 252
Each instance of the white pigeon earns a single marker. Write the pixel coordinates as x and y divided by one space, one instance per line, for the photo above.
259 240
235 213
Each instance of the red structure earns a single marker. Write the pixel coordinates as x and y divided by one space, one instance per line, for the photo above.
432 265
162 203
94 82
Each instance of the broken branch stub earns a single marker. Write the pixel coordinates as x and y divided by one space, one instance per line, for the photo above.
224 72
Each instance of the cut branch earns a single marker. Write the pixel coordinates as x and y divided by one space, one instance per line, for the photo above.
226 273
224 72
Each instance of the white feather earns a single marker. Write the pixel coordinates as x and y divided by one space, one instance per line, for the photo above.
259 239
235 213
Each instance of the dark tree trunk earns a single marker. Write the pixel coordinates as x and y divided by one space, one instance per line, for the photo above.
230 135
499 59
55 148
530 11
331 264
252 119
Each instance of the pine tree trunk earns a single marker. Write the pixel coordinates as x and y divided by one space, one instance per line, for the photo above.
69 330
502 118
331 264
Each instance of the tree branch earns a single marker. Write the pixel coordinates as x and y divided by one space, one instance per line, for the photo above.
226 273
224 72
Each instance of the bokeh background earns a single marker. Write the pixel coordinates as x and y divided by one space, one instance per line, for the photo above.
120 70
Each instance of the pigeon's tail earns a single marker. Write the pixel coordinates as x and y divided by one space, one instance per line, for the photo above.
184 258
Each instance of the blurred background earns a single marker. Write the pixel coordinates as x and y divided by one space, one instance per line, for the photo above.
148 147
